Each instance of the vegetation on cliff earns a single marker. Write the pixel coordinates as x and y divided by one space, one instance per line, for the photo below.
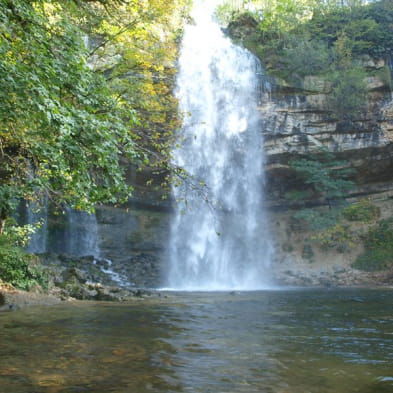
327 180
378 254
85 91
298 38
338 45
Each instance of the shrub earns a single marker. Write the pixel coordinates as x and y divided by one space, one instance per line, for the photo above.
327 176
303 56
338 236
349 92
316 219
378 254
16 266
363 211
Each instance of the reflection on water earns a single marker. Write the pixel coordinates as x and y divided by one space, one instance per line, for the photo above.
275 342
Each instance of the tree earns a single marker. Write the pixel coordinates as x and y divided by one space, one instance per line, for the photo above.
74 116
66 125
328 178
60 132
349 92
136 48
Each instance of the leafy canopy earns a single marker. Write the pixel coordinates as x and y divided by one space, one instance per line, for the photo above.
60 129
85 91
70 113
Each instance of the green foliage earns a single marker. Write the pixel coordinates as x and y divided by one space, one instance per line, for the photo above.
73 117
369 26
16 266
9 199
316 219
304 57
280 16
385 75
86 90
378 254
326 176
329 230
363 211
137 48
60 131
228 11
298 38
349 92
338 236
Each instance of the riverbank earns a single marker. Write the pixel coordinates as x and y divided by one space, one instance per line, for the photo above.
12 299
337 276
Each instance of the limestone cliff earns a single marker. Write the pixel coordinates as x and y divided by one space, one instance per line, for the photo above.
297 121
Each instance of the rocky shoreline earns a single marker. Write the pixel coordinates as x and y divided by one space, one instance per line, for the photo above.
76 287
72 279
12 299
339 277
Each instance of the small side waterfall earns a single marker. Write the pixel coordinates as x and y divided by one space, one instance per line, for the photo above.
75 233
81 234
219 234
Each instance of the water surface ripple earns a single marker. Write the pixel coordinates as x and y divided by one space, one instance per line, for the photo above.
297 341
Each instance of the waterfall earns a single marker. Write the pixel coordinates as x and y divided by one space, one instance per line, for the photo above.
219 235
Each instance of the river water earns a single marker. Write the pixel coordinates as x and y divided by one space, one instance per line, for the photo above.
287 341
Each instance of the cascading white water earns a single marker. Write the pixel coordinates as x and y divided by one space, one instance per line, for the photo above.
220 243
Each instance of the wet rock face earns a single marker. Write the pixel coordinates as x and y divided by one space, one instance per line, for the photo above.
135 240
89 278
